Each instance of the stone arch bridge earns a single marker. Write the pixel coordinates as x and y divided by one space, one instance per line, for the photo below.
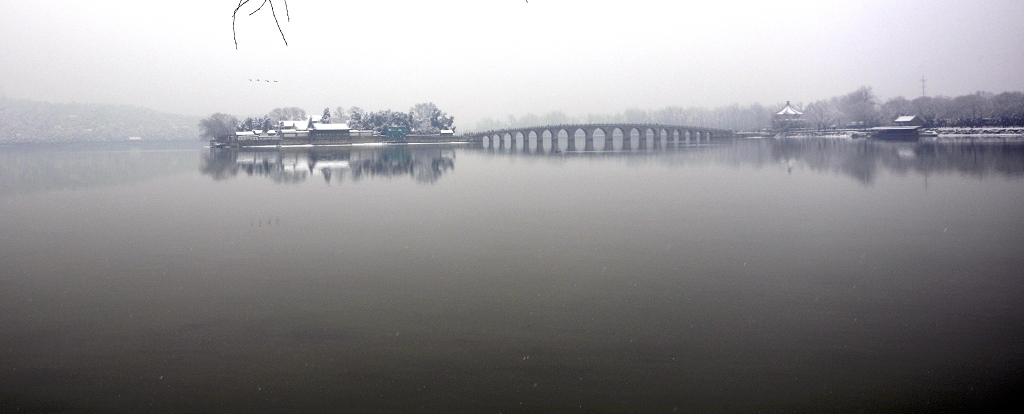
644 132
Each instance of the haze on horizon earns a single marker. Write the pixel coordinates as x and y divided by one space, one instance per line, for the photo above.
478 59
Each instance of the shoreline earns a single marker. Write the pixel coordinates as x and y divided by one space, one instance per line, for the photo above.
1015 133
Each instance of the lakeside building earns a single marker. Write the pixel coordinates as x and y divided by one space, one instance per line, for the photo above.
909 120
905 128
330 131
788 119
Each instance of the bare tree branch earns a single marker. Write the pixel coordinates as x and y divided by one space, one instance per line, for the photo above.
278 23
234 16
234 35
259 8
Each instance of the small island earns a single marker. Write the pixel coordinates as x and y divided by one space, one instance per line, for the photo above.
291 127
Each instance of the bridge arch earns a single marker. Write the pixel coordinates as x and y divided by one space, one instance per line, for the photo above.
544 140
621 133
564 137
505 136
517 138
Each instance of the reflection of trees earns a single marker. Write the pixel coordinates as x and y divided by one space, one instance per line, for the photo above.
855 158
219 164
425 164
863 159
860 159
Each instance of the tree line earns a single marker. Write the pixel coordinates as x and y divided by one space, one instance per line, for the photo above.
857 109
23 120
423 118
861 108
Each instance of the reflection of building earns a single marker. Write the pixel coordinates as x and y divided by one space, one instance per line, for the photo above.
426 163
788 119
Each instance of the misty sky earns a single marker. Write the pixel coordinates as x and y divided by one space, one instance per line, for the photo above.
491 58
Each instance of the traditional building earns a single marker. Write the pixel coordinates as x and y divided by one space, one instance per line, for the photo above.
905 128
788 119
330 131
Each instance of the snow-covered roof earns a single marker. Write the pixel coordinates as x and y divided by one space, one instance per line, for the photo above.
788 110
330 127
297 125
906 118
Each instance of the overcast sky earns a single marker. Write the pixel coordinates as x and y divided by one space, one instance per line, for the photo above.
491 58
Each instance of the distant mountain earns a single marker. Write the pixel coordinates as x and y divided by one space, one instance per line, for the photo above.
23 120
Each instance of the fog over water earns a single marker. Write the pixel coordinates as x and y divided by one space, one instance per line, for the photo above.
490 59
755 275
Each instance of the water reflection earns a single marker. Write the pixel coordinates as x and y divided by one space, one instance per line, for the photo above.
702 278
863 160
424 163
29 169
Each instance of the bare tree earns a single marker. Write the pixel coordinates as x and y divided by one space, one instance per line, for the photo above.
860 107
340 114
1008 108
218 125
291 113
421 114
896 107
970 110
241 3
823 114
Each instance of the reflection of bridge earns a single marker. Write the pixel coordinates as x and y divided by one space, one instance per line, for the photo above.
571 132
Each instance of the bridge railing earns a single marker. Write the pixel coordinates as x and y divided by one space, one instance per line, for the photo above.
621 126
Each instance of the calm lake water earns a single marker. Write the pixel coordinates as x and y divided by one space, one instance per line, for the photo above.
755 275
